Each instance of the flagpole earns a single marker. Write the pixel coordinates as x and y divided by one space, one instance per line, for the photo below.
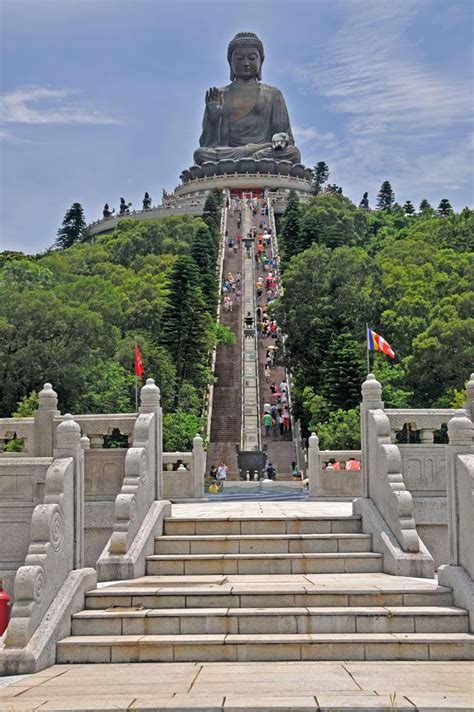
136 377
367 347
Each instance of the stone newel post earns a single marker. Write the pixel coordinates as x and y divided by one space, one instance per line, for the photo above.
68 444
314 475
371 400
199 467
461 436
44 421
150 403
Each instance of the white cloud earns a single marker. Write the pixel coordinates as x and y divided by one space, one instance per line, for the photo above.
7 137
313 135
41 105
396 117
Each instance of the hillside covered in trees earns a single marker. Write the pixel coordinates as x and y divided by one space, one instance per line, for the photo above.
70 317
408 275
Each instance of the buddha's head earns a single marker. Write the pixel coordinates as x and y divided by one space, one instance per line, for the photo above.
245 56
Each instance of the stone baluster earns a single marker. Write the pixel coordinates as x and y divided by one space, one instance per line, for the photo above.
426 436
150 403
96 441
314 473
44 421
371 400
461 437
68 444
199 466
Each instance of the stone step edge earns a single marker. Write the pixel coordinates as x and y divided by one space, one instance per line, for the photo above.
260 537
283 518
267 639
259 590
324 611
260 557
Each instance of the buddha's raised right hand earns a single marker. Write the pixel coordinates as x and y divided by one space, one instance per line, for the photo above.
213 104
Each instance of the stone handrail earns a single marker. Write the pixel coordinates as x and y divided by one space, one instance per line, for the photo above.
339 456
158 211
55 546
187 481
427 420
386 485
330 483
458 572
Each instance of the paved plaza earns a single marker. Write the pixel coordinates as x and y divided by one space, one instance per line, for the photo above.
209 687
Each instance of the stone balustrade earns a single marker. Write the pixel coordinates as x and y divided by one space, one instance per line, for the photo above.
458 572
52 582
328 482
183 473
20 428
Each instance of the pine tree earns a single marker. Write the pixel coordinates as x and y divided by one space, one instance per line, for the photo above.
211 212
385 197
320 176
204 253
73 227
333 189
409 208
342 372
444 208
185 324
424 206
291 227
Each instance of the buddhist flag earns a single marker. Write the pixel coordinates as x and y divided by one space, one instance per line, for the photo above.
375 342
139 370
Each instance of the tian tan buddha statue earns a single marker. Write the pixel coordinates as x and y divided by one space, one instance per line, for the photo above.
246 119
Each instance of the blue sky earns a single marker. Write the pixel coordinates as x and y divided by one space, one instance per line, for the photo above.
104 98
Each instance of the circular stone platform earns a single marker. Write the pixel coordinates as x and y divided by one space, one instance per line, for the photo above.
245 181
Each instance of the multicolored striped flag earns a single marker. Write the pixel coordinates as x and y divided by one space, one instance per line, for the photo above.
375 342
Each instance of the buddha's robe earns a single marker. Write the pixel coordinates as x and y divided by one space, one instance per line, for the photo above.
246 126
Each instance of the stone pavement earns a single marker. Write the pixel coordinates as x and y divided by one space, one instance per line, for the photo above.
250 510
209 687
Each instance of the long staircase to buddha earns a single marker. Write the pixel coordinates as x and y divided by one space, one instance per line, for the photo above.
226 423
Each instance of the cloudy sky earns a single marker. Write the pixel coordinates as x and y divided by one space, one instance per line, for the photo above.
104 98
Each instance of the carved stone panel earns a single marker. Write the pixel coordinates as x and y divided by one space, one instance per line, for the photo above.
104 473
424 469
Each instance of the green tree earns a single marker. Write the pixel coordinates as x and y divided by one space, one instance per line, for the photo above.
343 371
320 176
185 325
385 197
204 253
333 189
291 225
425 207
444 208
409 208
331 220
73 227
179 430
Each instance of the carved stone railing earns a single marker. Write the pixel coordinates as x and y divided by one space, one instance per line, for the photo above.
44 591
183 473
458 573
327 482
424 420
139 511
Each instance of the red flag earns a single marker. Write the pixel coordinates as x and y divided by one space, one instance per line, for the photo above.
139 370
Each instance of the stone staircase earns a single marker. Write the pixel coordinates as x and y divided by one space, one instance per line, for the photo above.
250 588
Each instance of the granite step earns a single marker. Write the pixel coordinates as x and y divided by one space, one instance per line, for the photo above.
263 543
177 594
205 621
262 525
195 564
267 647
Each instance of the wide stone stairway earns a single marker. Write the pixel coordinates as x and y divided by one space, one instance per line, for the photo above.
276 582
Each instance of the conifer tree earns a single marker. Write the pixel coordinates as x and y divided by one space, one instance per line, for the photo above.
385 197
409 208
342 372
184 323
444 208
333 189
425 206
291 227
320 176
204 253
73 227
